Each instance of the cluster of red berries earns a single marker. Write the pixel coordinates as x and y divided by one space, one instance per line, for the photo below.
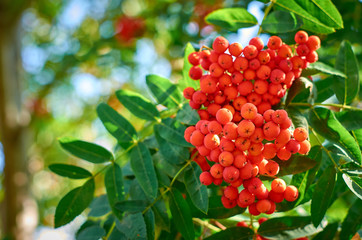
238 130
260 221
251 74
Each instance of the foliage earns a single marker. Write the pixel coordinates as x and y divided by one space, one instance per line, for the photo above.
147 199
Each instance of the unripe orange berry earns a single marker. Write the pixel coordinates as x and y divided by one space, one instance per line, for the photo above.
211 141
214 127
291 193
235 49
272 168
276 197
250 52
206 178
226 159
224 116
231 174
245 88
225 60
252 210
231 192
194 58
216 170
227 203
293 146
274 42
284 154
246 128
188 92
197 138
246 198
263 206
301 37
230 131
278 185
300 134
304 147
313 43
195 73
248 111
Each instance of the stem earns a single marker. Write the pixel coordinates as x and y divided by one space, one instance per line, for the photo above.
169 187
179 172
222 227
110 231
325 149
325 104
99 171
267 10
206 224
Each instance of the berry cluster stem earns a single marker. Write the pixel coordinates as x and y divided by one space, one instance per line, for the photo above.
267 10
325 149
110 231
171 184
342 106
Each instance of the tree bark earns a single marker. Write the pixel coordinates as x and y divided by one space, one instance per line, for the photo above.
13 119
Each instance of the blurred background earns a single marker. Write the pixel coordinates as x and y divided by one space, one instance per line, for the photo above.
60 58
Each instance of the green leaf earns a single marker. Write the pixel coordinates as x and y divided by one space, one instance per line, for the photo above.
116 125
172 153
74 203
216 209
320 18
288 228
187 81
296 164
197 191
69 171
231 18
149 218
302 90
117 235
325 123
113 181
350 119
281 22
353 221
233 233
99 206
324 68
357 135
85 150
161 216
354 184
346 89
324 89
138 105
181 214
328 232
132 206
298 119
187 115
91 233
142 166
330 13
172 131
133 226
166 93
322 196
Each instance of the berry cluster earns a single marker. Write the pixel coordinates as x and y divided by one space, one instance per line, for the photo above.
238 132
251 74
